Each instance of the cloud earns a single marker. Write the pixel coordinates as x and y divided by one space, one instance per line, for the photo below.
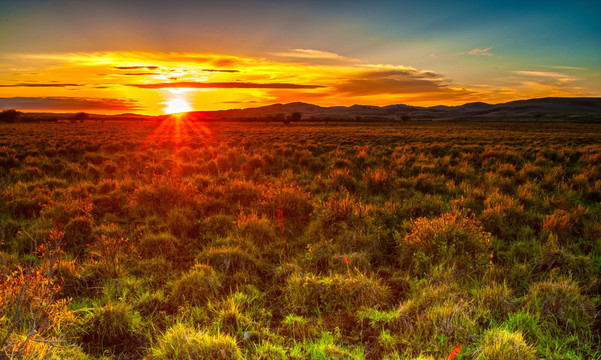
223 85
140 73
548 75
240 102
559 67
481 52
436 55
68 103
147 67
314 55
391 81
221 70
38 85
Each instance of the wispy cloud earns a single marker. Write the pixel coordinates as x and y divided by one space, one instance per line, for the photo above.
560 77
147 67
314 55
69 103
38 85
221 70
481 52
561 67
224 85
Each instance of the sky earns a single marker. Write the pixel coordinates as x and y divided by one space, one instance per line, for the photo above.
155 57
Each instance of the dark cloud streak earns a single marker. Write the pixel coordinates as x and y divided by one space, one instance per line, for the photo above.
224 85
221 70
68 103
150 67
38 85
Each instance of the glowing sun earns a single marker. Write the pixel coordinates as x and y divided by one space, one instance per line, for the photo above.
175 106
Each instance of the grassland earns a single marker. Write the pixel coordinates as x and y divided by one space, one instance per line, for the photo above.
186 240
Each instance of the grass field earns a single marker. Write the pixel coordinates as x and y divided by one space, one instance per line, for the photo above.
190 240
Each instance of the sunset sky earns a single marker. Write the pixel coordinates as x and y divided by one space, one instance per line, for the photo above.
155 57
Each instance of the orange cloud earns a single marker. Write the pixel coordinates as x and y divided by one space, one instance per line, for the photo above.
481 52
223 85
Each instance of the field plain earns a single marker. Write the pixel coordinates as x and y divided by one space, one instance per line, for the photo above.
183 240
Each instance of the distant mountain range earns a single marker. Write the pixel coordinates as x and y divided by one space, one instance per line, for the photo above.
543 109
550 109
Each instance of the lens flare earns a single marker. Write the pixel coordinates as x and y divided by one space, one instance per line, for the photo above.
175 106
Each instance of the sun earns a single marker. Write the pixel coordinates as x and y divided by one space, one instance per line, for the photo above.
175 106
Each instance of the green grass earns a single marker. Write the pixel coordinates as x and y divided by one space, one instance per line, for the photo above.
346 240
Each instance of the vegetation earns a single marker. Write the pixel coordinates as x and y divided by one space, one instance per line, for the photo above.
181 239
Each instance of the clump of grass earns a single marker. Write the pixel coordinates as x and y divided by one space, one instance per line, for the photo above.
181 222
494 303
242 192
451 239
259 229
161 245
328 346
114 325
162 194
195 287
560 303
182 342
555 257
78 233
503 215
312 295
566 224
297 327
268 351
230 316
238 266
340 178
505 345
219 224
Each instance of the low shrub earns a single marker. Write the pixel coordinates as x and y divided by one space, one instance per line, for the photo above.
451 239
182 342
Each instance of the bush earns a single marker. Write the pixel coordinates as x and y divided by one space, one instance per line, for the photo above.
451 239
182 342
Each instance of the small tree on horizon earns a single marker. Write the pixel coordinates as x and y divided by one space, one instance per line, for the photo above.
294 117
80 116
10 115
